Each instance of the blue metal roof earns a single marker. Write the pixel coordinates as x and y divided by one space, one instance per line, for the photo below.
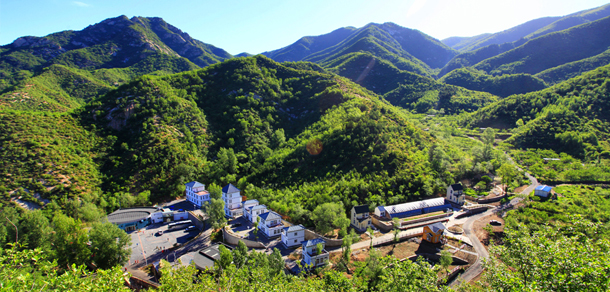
544 188
294 228
194 184
312 242
230 188
270 215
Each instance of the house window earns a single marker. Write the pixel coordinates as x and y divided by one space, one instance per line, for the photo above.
295 234
295 241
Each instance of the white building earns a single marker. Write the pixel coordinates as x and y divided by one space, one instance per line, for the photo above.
232 197
251 213
180 215
271 224
360 218
311 256
293 235
455 194
247 204
196 193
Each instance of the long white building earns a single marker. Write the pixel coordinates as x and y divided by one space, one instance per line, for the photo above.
196 193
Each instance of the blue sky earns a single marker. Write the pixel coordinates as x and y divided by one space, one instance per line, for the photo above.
258 26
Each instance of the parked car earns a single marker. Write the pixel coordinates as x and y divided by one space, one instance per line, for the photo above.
192 227
495 222
236 225
160 232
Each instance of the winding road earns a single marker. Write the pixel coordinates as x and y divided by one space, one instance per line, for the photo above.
477 268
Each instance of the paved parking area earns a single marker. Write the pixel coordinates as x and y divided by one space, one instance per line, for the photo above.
147 242
184 205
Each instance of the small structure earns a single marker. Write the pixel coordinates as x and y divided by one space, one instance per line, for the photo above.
271 224
542 191
196 193
312 256
251 213
434 232
131 219
412 208
455 194
360 217
205 258
293 235
232 198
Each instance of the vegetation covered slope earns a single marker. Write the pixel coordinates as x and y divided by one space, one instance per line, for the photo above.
552 50
569 117
308 45
113 43
503 85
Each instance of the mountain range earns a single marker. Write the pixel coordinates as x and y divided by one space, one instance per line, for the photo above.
127 106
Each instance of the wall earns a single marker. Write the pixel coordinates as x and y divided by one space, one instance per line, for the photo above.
384 226
426 219
233 239
196 221
329 242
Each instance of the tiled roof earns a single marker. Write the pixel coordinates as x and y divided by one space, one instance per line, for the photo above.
270 216
194 184
361 209
294 228
230 188
436 227
312 242
257 207
457 187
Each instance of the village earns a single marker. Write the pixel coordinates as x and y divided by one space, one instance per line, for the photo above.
177 232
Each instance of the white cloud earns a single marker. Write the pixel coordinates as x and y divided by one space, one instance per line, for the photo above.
80 4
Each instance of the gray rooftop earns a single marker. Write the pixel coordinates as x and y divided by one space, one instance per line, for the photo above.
130 215
294 228
194 184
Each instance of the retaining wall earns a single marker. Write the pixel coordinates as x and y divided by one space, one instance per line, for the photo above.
233 239
196 220
382 225
426 219
329 242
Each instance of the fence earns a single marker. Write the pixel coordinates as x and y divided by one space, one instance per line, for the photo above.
401 237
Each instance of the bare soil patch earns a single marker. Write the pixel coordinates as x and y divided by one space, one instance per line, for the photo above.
483 235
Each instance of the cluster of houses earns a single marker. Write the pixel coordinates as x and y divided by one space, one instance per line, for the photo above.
270 223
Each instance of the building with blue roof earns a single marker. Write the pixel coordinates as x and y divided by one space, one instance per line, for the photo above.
292 236
542 191
271 224
233 201
311 256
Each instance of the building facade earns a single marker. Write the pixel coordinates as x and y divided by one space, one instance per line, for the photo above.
455 194
231 195
360 218
434 232
196 193
292 236
271 224
312 256
251 213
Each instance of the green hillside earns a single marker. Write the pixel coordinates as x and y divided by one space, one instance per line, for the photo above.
568 117
552 50
572 69
309 45
503 85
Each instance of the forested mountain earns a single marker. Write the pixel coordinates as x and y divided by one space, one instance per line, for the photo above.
528 30
569 117
502 85
309 45
65 69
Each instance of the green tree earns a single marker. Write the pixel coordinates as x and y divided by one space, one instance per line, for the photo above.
548 260
35 230
255 230
371 234
226 258
216 213
407 276
508 173
215 191
446 260
69 242
240 254
109 244
276 263
327 216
